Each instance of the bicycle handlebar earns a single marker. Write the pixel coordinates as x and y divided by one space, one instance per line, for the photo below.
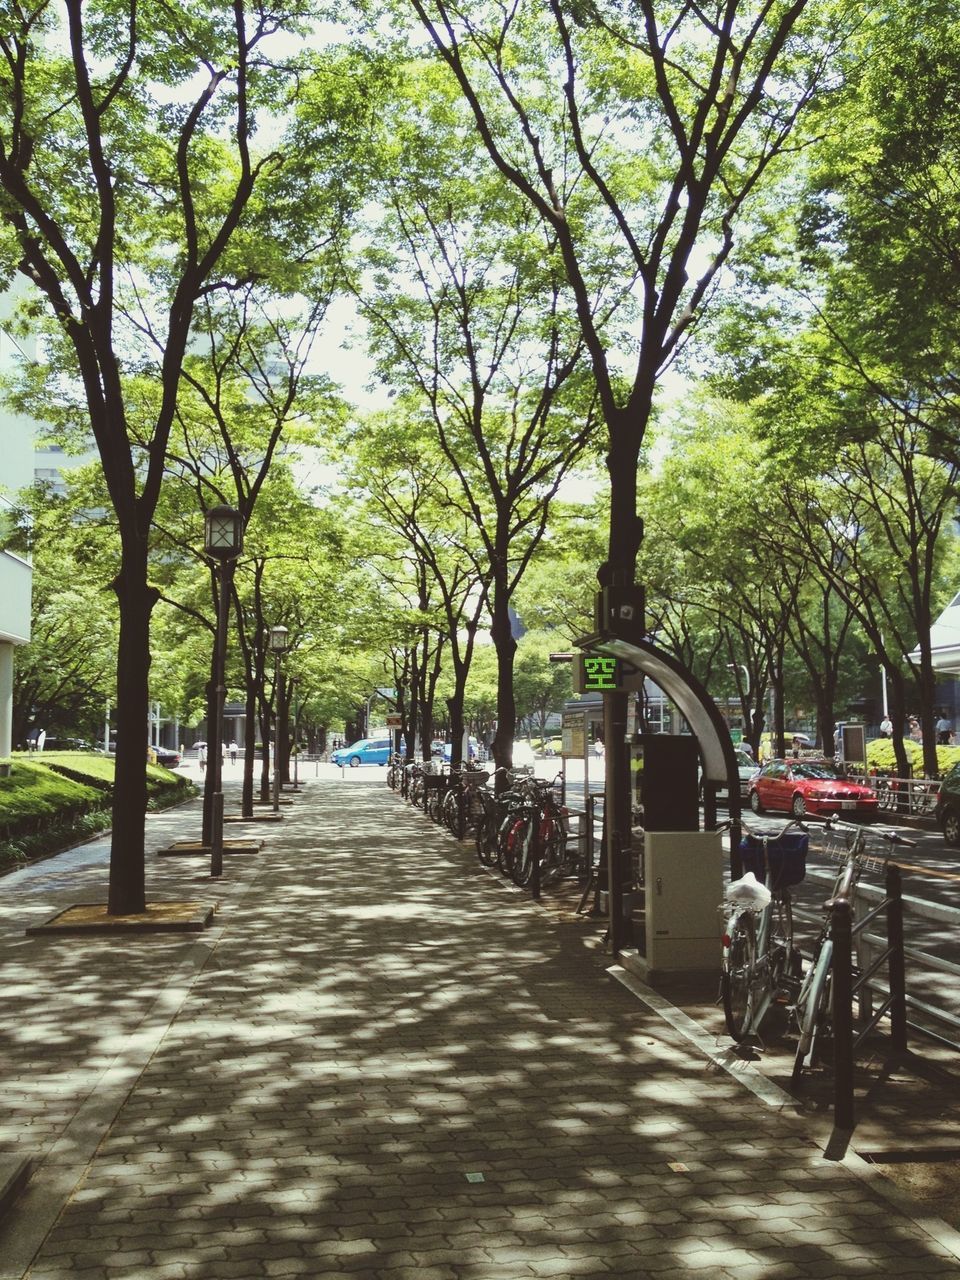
834 823
770 829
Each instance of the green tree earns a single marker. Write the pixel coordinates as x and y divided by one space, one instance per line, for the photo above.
480 338
640 135
129 174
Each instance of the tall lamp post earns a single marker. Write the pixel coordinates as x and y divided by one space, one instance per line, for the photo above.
279 642
222 541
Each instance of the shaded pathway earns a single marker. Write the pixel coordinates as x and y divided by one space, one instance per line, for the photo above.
384 1063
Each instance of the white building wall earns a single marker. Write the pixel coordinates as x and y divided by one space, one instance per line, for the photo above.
16 472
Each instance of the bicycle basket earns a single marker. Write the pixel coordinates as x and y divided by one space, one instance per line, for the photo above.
787 856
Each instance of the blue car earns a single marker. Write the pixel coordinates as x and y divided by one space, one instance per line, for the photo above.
366 751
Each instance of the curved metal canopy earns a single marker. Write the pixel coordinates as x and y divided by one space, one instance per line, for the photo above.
690 697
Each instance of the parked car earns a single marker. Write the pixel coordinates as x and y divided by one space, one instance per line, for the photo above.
808 786
365 751
746 768
947 809
169 759
474 750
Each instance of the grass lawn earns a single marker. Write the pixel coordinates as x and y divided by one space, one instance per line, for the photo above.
51 799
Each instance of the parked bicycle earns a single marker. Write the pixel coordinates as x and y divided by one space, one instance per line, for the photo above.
760 963
395 772
494 807
532 828
462 806
813 1009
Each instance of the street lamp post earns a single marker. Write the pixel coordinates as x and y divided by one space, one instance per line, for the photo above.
223 541
279 642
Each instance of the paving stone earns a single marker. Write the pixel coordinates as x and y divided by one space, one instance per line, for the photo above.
319 1084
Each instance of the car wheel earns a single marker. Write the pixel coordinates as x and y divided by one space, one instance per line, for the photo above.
354 761
799 806
951 827
755 804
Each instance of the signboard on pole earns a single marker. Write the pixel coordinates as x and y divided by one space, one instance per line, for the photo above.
573 735
394 720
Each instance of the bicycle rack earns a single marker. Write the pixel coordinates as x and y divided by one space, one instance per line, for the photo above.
847 1041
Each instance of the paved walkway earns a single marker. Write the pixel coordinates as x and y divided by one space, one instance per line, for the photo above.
381 1062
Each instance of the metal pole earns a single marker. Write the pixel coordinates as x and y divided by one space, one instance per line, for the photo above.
616 811
896 967
276 734
215 731
842 923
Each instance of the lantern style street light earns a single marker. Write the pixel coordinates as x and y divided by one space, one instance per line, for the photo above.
223 542
279 643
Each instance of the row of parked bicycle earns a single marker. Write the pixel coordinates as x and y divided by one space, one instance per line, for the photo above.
521 828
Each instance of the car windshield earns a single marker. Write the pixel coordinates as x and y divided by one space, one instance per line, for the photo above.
823 772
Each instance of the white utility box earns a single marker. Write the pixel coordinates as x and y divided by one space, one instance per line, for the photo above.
683 888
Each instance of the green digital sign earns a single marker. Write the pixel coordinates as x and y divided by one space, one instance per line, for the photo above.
600 674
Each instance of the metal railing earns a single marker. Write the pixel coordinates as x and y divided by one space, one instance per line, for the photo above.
850 1033
912 796
928 914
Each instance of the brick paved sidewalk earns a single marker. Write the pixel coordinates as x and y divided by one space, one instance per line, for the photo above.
383 1063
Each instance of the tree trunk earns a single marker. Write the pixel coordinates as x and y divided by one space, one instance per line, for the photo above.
898 714
127 893
823 700
265 736
506 647
623 546
250 752
283 728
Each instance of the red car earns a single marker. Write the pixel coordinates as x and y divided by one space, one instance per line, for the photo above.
808 786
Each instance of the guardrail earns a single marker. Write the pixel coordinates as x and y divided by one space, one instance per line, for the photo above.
913 796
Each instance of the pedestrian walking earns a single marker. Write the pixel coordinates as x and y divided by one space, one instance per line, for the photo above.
202 756
233 752
913 726
886 727
944 729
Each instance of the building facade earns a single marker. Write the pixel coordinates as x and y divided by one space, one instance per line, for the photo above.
16 472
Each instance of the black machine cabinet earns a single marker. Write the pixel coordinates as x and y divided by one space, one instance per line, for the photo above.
666 781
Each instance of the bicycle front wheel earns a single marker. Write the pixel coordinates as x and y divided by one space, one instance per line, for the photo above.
486 836
737 975
509 845
813 1010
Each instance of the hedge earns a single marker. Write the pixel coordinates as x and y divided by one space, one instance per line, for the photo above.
50 803
880 756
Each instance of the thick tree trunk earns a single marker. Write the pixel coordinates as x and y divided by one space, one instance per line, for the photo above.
249 753
825 718
127 893
455 712
898 714
265 737
506 647
283 728
625 535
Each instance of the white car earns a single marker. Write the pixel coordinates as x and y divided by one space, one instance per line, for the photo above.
746 768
